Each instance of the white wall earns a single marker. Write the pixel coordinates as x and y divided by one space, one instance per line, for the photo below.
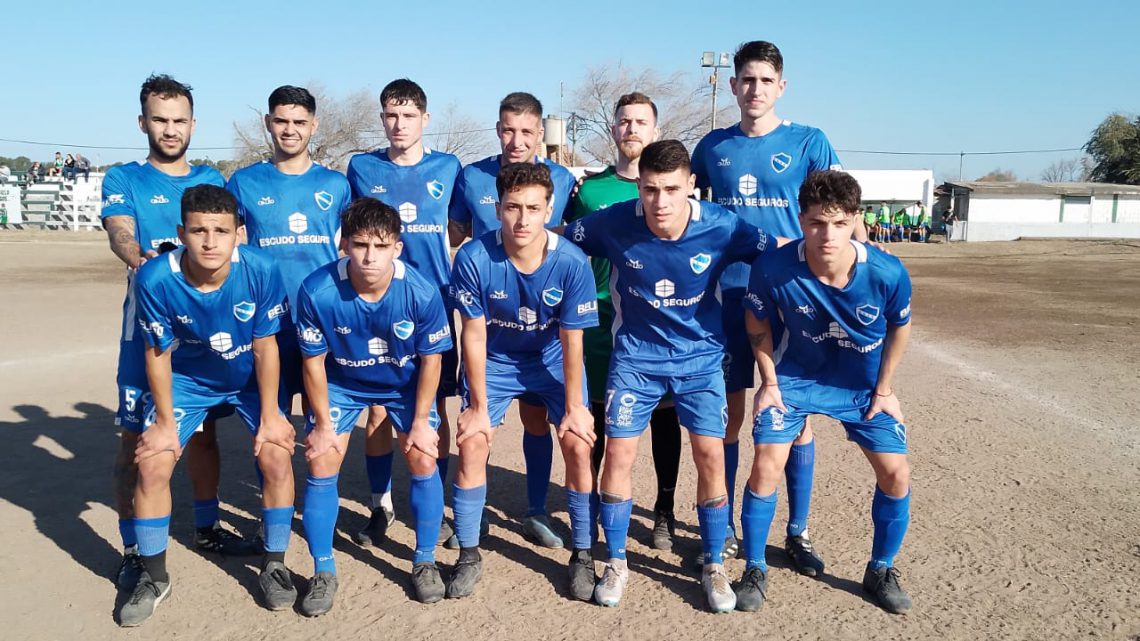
895 185
1013 209
976 231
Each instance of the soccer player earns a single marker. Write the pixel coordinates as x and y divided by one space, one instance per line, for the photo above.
372 331
635 126
901 225
668 252
525 295
291 207
921 221
209 313
884 223
418 183
871 223
473 213
846 307
140 212
755 169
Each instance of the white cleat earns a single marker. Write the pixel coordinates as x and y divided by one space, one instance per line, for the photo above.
615 575
718 589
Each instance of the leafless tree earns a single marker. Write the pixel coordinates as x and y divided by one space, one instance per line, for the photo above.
1066 170
459 134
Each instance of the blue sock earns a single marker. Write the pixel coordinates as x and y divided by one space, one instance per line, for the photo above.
467 506
756 517
799 473
595 509
127 531
278 523
152 535
731 462
442 464
205 513
615 523
379 470
578 504
714 526
426 498
538 451
319 519
890 516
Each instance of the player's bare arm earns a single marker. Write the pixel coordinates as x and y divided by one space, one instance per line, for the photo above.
884 399
578 421
274 429
760 338
474 420
421 436
162 436
323 436
457 232
121 235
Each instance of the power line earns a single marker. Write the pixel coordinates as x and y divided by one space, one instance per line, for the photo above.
957 153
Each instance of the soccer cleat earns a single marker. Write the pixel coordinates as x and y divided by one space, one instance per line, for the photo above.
751 590
226 543
277 589
718 590
446 533
803 555
376 532
130 569
664 528
536 529
427 582
143 601
731 546
322 592
468 571
582 576
883 584
611 586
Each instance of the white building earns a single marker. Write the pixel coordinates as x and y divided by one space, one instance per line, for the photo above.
896 187
1013 210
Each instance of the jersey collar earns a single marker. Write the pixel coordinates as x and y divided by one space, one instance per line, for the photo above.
175 258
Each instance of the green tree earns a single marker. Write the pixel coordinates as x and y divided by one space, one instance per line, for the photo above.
1115 150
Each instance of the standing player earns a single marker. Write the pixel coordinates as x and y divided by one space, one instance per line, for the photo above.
140 212
668 251
291 208
922 222
884 223
209 313
755 169
372 331
840 360
525 295
418 183
473 213
635 125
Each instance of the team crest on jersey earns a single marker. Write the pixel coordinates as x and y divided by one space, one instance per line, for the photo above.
552 296
781 162
244 310
867 314
324 200
700 263
435 189
403 329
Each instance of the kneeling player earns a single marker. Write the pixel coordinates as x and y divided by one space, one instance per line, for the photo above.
525 296
372 332
220 305
846 308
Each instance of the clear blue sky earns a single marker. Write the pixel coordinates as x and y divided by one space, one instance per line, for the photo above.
900 76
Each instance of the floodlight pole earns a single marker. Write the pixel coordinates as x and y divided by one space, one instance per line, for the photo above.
716 62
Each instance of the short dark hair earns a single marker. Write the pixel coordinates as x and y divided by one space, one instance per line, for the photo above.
403 91
517 175
209 199
758 51
370 216
520 102
290 95
664 156
831 189
635 98
164 87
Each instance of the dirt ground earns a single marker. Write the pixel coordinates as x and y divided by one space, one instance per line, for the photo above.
1021 390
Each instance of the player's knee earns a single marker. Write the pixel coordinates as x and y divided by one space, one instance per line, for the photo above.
619 456
894 479
420 463
576 450
154 472
474 449
276 466
767 468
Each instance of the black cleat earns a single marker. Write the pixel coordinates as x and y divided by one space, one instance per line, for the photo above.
277 589
883 585
427 582
582 575
144 599
803 555
223 542
751 590
129 570
664 528
376 532
468 571
322 592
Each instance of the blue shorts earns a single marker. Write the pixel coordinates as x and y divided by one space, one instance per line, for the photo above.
541 384
345 408
192 408
882 434
134 391
632 395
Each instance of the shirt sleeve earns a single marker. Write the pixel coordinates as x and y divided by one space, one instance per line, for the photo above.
433 333
698 164
310 335
466 290
748 241
117 197
898 300
759 299
822 155
589 233
272 305
157 326
458 210
563 188
580 302
233 185
353 175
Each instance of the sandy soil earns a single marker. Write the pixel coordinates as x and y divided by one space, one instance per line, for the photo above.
1021 390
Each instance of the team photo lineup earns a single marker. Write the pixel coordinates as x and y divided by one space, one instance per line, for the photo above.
647 297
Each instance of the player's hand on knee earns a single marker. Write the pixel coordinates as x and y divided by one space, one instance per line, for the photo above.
886 404
578 422
156 440
423 438
276 430
320 442
470 423
768 396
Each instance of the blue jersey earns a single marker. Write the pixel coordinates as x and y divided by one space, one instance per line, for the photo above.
759 178
421 193
667 308
832 336
371 348
524 312
295 219
476 195
211 334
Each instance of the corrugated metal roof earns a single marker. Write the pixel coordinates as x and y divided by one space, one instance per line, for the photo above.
1042 189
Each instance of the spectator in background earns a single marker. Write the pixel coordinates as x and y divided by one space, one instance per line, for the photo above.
948 220
56 168
82 166
68 167
5 173
35 172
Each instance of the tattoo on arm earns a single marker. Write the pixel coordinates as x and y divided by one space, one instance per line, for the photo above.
123 243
